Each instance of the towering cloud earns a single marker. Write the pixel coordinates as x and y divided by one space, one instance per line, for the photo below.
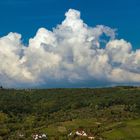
72 54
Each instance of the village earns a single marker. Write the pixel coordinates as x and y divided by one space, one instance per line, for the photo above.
78 133
82 133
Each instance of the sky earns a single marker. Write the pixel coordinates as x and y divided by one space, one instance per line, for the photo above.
40 41
26 16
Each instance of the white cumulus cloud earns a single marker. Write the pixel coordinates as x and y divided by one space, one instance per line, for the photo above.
70 54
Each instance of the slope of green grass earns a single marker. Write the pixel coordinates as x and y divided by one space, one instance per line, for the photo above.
107 113
131 131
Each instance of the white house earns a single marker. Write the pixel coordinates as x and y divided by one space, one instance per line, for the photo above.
37 136
81 133
91 137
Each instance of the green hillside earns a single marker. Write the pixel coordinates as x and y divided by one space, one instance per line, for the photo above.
103 114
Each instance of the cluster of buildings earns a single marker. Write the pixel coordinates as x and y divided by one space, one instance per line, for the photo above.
36 136
39 136
78 133
82 133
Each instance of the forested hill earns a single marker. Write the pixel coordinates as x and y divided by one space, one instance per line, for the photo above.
30 111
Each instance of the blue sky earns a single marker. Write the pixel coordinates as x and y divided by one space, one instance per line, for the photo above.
26 16
73 54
